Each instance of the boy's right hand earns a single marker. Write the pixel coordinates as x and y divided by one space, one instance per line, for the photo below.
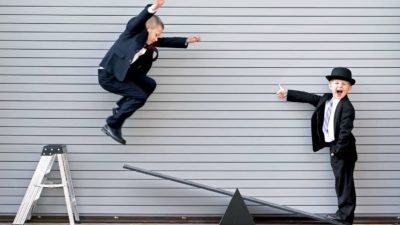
281 93
158 3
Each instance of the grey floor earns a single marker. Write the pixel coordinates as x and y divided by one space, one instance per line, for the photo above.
135 224
104 223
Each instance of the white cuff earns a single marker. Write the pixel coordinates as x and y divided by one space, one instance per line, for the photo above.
152 9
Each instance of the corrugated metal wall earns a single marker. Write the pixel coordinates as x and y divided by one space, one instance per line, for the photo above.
214 117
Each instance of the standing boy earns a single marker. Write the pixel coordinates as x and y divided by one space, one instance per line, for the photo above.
331 126
123 70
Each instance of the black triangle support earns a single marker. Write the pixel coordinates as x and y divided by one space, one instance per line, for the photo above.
237 212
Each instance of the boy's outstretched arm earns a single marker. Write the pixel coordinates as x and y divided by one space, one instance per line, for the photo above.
138 22
298 96
171 42
176 42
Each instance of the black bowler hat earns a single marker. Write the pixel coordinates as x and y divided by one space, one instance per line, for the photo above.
341 73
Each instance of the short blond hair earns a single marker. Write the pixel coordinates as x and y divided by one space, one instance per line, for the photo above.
154 21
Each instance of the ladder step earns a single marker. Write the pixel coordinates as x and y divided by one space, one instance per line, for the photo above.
51 185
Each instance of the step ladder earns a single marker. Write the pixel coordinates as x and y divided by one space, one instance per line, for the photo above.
38 182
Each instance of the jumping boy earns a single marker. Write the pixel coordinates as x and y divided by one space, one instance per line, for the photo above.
123 70
331 126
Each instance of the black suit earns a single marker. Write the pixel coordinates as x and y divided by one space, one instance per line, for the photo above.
120 76
343 148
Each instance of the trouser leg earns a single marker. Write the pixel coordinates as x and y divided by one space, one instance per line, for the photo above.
133 97
345 188
147 84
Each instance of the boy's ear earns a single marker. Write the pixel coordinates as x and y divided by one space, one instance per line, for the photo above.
149 26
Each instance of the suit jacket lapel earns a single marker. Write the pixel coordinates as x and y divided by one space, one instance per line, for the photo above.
338 111
137 43
321 103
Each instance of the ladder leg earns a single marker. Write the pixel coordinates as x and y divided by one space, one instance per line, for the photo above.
34 190
46 169
70 188
61 163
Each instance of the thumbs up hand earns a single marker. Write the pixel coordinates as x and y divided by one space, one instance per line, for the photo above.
281 93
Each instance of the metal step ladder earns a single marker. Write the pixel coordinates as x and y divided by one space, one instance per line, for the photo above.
38 182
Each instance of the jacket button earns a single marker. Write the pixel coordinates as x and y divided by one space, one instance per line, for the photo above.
332 154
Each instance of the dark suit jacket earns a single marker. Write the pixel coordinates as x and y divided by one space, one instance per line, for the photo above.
118 59
344 145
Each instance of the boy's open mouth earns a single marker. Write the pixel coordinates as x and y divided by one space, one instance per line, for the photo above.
339 92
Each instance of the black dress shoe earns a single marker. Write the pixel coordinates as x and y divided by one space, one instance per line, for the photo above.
114 134
333 217
338 219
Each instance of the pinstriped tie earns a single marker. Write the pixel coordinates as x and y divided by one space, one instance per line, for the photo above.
327 116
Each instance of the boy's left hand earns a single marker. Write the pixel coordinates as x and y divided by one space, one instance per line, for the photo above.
192 39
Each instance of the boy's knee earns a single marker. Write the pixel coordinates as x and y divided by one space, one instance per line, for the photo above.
142 101
152 87
154 84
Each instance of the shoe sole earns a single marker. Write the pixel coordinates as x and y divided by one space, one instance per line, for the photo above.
108 134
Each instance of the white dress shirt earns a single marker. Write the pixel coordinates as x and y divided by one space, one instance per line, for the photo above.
138 54
330 135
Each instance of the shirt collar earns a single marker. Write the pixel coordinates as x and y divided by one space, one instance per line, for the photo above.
335 100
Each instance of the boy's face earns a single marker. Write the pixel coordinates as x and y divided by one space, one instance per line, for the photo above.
339 88
154 33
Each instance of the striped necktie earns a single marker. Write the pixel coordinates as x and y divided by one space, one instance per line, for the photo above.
327 116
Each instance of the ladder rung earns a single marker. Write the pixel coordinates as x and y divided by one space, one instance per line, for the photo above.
51 185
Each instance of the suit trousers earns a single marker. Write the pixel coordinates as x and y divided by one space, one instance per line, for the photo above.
345 189
134 91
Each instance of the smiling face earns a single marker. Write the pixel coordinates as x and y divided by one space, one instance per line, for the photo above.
339 88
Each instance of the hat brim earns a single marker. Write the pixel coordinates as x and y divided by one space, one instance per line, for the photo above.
333 77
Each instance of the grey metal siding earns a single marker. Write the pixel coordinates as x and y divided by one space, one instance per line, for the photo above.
214 117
